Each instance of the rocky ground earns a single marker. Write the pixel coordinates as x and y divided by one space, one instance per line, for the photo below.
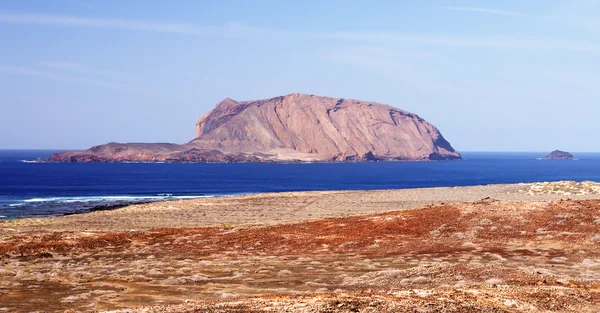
530 251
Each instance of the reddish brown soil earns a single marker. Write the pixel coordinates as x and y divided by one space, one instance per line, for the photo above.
485 256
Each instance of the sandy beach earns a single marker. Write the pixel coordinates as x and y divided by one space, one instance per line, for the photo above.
498 248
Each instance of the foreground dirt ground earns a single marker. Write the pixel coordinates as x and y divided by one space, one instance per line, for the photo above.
486 255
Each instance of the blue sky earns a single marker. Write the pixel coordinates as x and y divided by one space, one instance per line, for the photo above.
491 75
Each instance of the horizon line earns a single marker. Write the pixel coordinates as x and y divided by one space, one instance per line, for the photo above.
463 151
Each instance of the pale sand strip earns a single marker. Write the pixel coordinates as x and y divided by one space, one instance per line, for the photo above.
274 208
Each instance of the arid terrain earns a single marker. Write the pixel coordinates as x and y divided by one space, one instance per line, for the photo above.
499 248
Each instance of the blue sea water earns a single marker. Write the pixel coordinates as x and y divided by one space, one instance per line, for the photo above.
48 189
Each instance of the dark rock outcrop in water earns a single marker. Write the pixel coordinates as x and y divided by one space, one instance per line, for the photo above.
559 155
296 127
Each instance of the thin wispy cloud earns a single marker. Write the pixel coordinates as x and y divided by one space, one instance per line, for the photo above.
25 71
237 30
84 69
486 11
230 29
466 41
379 51
64 20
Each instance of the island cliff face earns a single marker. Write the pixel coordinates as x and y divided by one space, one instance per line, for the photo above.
296 127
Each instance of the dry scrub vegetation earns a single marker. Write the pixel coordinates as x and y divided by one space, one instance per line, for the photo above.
480 256
567 188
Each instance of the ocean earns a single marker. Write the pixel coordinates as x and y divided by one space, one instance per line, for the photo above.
51 189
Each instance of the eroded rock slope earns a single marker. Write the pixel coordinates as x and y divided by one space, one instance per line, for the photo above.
296 127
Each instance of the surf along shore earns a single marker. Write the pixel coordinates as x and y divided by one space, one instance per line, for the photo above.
500 248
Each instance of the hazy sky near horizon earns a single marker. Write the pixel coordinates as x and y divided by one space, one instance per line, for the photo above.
491 75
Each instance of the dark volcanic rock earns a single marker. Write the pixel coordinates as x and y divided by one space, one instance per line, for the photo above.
559 155
296 127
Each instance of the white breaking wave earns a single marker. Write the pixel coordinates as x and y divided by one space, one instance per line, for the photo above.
111 198
29 161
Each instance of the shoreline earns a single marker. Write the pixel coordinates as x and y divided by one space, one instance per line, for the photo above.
283 207
100 203
144 199
95 208
283 161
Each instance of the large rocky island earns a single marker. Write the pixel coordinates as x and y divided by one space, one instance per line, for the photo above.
295 127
